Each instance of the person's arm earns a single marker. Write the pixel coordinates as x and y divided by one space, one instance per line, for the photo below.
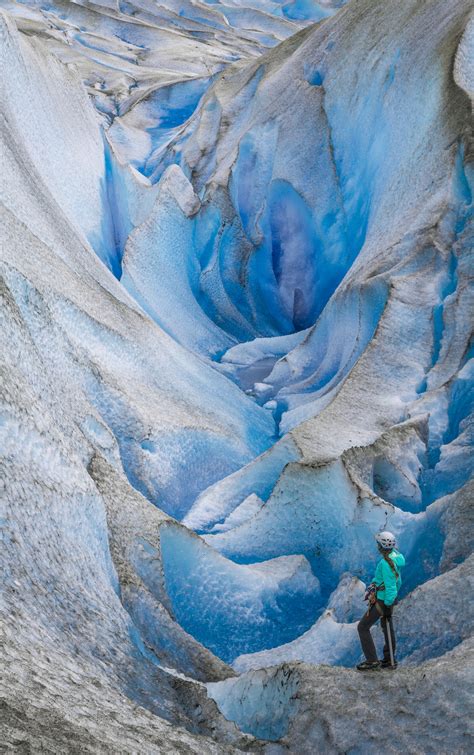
400 559
390 582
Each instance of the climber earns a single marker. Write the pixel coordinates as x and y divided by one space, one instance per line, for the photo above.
381 595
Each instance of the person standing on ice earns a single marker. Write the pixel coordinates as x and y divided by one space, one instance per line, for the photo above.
381 595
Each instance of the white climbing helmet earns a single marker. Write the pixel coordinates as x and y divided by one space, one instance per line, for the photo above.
385 539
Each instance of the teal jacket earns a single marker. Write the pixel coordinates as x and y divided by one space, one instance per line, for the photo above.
385 577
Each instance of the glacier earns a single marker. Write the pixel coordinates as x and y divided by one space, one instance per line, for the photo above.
236 336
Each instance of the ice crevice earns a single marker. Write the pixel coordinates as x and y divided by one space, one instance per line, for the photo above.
238 334
273 362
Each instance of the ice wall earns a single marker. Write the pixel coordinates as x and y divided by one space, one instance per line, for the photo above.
236 294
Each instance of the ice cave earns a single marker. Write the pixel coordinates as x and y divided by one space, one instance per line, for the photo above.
236 338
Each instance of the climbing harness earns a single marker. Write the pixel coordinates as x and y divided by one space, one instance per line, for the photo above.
371 594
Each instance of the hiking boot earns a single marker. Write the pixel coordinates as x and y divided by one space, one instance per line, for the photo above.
387 664
368 666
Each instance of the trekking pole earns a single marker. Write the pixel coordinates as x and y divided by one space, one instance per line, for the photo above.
389 639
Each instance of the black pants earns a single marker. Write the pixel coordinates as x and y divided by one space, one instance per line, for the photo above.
364 626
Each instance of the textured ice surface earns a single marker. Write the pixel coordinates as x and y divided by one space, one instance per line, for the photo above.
332 639
258 477
315 511
236 292
231 608
308 708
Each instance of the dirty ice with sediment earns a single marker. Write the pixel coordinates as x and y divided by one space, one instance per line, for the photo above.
236 334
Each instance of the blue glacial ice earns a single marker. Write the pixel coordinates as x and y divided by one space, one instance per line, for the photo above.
258 478
236 608
237 328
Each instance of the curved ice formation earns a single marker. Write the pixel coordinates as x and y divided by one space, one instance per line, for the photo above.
236 285
332 639
259 477
236 608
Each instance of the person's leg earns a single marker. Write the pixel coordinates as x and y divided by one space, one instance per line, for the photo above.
386 649
366 641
